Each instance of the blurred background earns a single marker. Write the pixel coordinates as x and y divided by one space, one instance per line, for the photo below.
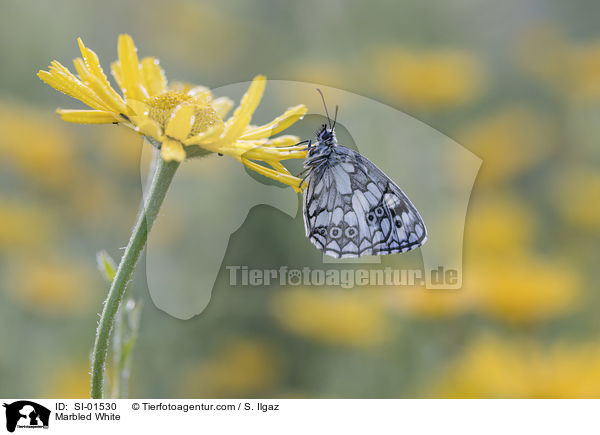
516 82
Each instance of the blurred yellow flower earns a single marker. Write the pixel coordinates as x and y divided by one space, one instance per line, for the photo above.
429 79
184 35
243 367
331 316
498 223
585 70
502 368
22 225
67 381
181 120
503 277
514 289
566 67
41 148
576 189
421 302
328 72
521 288
50 286
509 142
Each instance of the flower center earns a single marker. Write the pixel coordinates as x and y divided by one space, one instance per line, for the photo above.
161 107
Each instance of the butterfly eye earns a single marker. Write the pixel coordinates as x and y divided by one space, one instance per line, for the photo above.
379 211
371 217
397 221
351 232
335 232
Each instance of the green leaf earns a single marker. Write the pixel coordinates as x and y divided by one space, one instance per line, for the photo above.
106 265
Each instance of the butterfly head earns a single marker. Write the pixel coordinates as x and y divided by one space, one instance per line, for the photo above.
321 147
326 136
324 141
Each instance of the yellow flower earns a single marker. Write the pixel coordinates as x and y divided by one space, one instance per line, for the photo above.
510 142
351 319
522 289
575 188
243 367
68 380
430 304
585 68
51 287
498 368
183 121
519 291
41 148
429 80
497 223
570 68
23 225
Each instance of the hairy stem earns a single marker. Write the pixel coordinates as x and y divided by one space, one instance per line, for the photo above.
162 178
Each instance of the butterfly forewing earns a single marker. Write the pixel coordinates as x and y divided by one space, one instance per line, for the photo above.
351 208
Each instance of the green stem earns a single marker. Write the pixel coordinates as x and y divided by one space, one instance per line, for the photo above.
117 345
158 189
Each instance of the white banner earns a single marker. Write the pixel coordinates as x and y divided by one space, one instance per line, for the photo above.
295 416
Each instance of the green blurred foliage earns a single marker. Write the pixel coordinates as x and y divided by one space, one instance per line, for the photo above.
517 83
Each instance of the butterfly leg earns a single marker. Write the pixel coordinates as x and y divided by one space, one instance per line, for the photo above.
308 170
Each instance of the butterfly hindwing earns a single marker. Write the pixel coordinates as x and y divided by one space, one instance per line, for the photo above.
351 208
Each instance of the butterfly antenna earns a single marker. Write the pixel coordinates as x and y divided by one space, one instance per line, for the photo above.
335 116
325 105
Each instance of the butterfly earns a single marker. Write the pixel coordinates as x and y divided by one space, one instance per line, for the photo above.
351 208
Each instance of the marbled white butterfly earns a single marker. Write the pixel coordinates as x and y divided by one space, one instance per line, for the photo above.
351 208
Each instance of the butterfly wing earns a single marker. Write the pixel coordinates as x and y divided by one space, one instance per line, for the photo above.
351 208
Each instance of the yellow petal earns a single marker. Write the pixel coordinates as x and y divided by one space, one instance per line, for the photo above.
93 66
137 108
115 69
242 115
181 122
268 153
57 66
130 69
147 127
87 116
290 180
200 92
91 60
205 137
280 123
69 84
285 140
155 80
141 122
222 106
172 150
101 88
280 168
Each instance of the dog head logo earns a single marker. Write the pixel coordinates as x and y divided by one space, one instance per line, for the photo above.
26 414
